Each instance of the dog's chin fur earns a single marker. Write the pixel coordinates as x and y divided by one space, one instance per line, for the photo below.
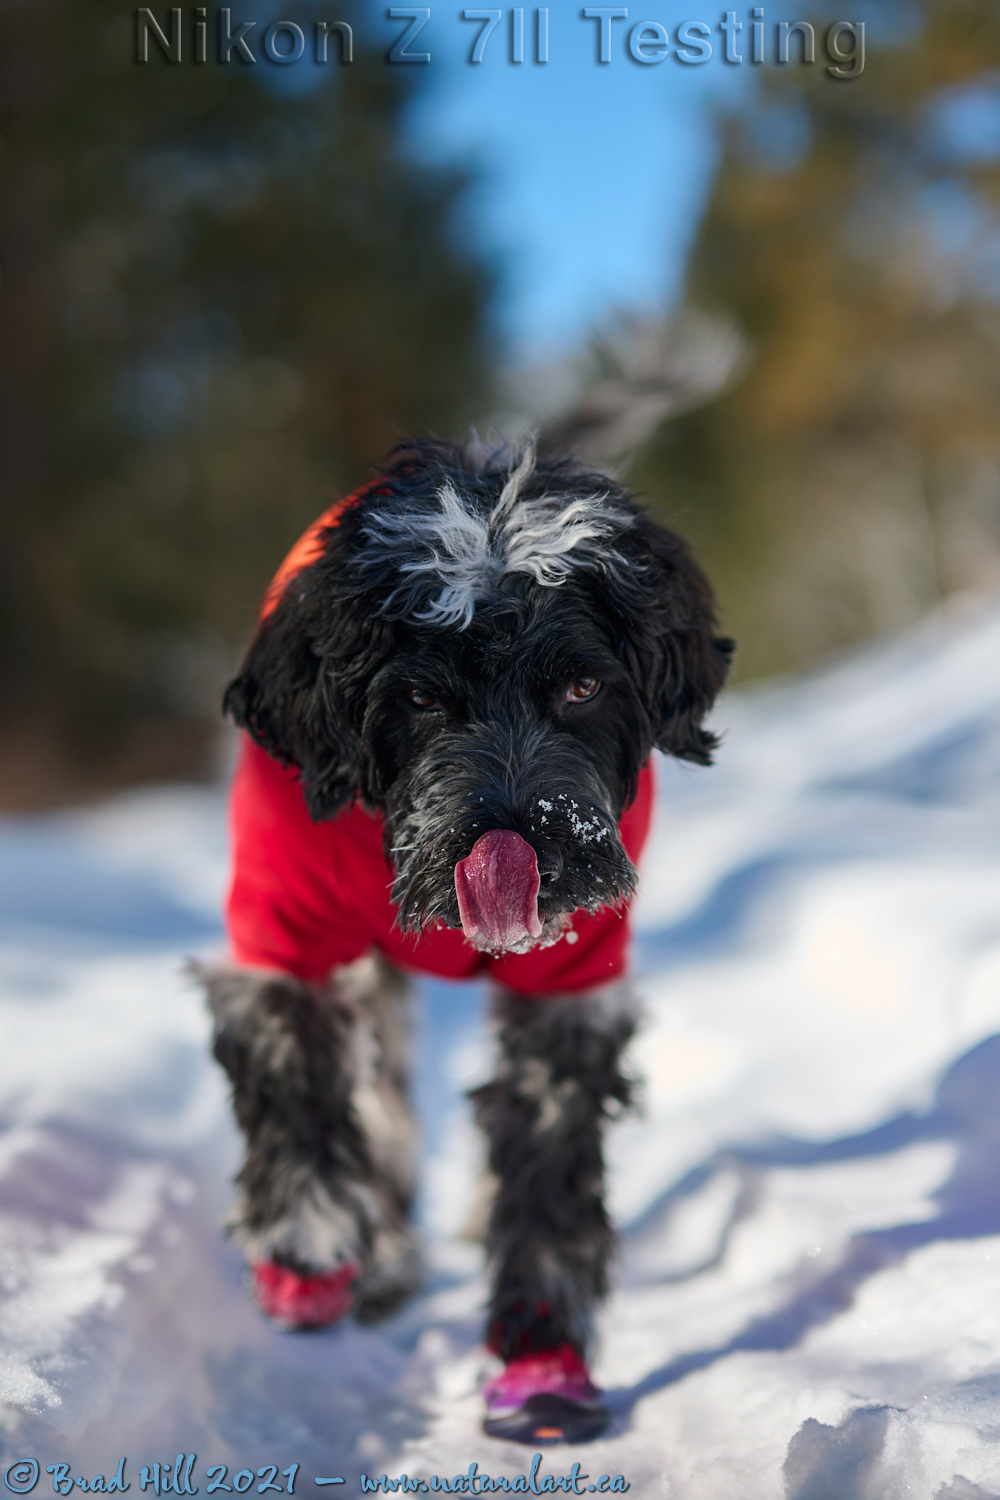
485 587
553 928
508 775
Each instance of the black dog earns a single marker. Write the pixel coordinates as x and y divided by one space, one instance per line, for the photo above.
455 690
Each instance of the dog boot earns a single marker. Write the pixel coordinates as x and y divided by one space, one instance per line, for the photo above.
545 1398
294 1301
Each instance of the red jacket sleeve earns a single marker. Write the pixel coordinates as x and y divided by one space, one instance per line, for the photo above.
290 904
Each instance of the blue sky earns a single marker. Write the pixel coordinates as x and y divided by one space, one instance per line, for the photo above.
591 177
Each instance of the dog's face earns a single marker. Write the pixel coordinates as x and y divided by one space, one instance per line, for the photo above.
487 653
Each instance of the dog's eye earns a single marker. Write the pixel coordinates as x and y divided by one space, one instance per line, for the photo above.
421 700
582 688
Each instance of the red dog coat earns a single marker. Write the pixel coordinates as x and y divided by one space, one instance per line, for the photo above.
307 897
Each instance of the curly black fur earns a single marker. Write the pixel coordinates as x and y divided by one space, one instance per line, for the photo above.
325 683
286 1048
550 1240
421 664
314 1192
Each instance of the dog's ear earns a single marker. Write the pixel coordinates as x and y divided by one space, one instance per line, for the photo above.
287 698
690 661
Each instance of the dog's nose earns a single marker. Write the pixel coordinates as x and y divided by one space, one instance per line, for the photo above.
550 867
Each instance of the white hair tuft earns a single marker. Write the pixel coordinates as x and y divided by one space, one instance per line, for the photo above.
468 551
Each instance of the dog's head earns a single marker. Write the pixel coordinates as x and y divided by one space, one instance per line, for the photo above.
487 650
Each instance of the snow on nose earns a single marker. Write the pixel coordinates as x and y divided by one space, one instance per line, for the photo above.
497 889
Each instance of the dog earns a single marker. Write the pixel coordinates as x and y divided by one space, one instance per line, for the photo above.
449 710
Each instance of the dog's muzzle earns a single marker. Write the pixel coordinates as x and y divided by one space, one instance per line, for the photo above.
497 889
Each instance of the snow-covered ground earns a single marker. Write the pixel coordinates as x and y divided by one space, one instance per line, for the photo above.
808 1299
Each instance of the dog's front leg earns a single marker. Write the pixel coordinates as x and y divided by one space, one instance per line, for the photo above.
550 1240
325 1186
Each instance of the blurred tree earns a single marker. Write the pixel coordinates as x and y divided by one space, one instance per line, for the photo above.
853 477
223 297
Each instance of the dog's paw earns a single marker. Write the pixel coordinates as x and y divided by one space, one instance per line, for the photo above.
545 1398
299 1301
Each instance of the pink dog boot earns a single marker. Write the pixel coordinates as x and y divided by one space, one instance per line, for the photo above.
545 1398
295 1301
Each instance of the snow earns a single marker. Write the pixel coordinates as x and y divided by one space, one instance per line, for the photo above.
808 1295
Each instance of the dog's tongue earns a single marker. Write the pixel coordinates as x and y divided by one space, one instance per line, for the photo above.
497 889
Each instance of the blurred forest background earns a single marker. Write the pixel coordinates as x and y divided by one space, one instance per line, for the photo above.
852 479
221 302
